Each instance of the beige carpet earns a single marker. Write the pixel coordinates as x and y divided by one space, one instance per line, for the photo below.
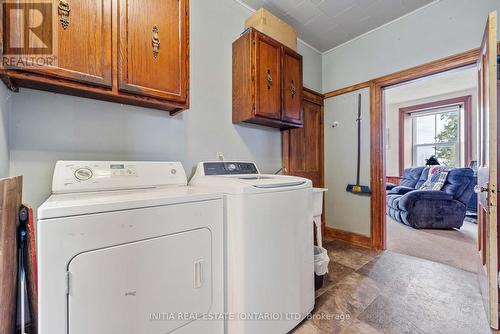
456 248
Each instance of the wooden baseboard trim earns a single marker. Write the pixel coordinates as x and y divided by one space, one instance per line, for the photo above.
349 237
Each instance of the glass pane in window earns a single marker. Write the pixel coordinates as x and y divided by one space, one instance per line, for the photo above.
424 129
447 127
447 155
422 153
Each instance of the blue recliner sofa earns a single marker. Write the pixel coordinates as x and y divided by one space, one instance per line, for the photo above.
439 209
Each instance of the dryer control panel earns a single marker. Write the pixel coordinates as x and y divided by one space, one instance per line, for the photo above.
82 176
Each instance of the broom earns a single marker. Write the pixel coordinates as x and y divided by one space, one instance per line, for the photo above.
357 188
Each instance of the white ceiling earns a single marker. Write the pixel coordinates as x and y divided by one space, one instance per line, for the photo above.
325 24
440 84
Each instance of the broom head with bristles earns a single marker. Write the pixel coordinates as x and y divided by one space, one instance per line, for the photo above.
358 189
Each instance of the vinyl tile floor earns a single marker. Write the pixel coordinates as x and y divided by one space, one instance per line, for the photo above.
368 292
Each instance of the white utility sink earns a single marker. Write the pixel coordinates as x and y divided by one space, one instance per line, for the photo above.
318 201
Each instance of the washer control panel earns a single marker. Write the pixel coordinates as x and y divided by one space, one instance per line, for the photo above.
229 168
79 176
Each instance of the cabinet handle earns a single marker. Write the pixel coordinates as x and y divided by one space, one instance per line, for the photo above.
293 90
63 10
269 79
155 41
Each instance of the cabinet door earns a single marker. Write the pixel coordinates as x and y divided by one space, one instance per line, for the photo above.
292 87
81 38
268 76
153 48
306 146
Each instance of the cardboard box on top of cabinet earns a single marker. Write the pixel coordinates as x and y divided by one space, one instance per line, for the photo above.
272 26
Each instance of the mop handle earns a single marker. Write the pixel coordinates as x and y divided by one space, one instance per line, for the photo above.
358 167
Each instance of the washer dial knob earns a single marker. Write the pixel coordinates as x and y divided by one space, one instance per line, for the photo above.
83 174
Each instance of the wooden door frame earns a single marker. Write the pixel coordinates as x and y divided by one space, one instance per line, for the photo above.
377 124
377 112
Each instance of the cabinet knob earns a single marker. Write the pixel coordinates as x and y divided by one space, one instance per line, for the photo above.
269 79
293 90
63 11
155 41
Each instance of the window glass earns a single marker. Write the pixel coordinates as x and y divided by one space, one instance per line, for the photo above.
424 128
447 127
437 134
422 153
447 155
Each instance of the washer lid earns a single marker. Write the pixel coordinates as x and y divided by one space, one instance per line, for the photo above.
257 183
271 181
73 204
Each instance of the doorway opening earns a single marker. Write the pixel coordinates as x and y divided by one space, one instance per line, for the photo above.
430 167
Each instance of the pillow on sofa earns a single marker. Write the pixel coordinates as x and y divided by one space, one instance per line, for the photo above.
436 179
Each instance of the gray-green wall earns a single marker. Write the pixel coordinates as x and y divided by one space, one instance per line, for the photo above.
344 210
4 132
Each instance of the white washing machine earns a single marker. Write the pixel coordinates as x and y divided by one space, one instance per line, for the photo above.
269 246
129 248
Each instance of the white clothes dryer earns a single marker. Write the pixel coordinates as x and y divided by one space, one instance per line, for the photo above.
129 248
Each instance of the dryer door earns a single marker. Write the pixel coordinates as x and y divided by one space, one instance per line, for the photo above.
141 287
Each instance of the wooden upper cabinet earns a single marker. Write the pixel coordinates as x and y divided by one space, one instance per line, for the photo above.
81 43
267 82
292 86
153 48
268 74
126 51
